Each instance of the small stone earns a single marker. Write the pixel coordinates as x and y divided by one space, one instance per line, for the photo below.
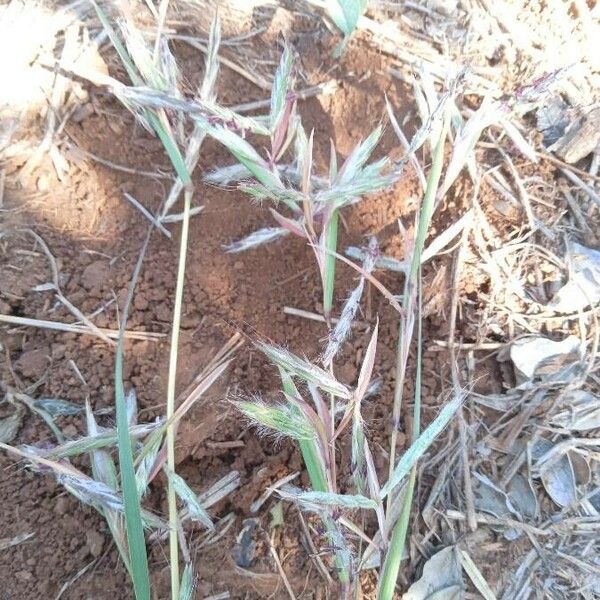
95 275
62 505
238 265
115 126
70 431
44 587
140 302
190 321
162 313
24 575
140 349
43 185
95 542
58 351
82 112
32 363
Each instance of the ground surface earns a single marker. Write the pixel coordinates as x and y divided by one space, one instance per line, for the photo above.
95 236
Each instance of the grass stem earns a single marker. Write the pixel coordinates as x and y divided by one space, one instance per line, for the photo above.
331 236
410 287
172 428
411 304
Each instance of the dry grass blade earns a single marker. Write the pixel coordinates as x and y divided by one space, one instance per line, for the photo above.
319 500
385 292
343 326
80 329
194 508
475 576
9 426
14 541
100 440
256 238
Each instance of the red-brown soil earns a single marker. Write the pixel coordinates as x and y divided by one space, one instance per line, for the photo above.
96 235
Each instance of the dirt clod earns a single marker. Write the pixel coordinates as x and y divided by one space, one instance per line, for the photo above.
95 542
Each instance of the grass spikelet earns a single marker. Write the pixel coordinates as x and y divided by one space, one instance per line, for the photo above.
187 586
102 439
283 419
146 463
248 156
195 510
357 158
343 327
281 85
256 238
207 90
305 370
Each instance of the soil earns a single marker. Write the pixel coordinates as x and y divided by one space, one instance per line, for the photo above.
95 236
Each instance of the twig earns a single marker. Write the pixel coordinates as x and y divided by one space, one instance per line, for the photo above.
584 186
574 206
322 89
56 325
286 582
254 78
115 166
75 577
58 292
390 297
456 515
523 195
470 345
311 316
147 214
255 506
462 425
561 163
313 551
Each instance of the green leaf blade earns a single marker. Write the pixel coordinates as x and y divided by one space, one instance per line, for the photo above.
420 445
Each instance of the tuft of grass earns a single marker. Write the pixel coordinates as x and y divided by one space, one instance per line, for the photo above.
117 492
314 202
322 420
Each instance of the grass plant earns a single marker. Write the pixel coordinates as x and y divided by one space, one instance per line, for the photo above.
117 492
316 423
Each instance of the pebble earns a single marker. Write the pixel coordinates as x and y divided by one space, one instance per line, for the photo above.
32 363
62 505
95 275
43 184
95 542
82 112
58 351
70 431
140 302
